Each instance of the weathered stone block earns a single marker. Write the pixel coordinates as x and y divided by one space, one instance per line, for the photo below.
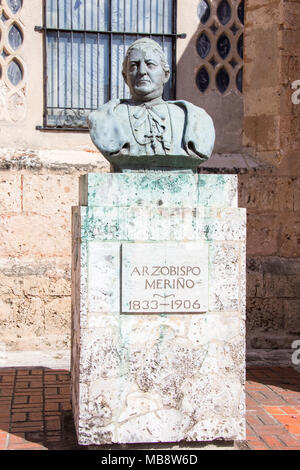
153 376
255 284
291 15
28 287
47 236
295 129
296 194
292 69
262 233
50 194
267 193
262 53
10 286
44 287
290 39
288 235
29 315
269 13
259 340
10 187
292 315
265 314
167 190
57 315
268 132
6 311
291 162
280 266
263 100
249 134
282 285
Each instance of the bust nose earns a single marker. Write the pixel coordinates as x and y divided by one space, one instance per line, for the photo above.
142 68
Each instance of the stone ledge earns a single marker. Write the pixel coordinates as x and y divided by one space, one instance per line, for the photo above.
181 446
236 163
53 160
57 267
89 161
270 357
61 358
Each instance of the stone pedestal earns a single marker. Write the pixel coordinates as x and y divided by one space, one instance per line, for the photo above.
158 305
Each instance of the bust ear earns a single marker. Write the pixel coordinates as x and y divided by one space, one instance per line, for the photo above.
124 77
167 76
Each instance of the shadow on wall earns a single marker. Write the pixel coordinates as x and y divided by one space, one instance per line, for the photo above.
273 211
273 259
225 109
273 253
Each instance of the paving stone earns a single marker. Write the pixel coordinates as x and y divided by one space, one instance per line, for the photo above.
269 427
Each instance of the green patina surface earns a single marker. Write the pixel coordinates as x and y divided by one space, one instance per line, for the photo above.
163 224
169 189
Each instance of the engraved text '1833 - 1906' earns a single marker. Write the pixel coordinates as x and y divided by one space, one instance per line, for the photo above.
153 283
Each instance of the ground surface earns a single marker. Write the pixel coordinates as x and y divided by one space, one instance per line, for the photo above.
35 409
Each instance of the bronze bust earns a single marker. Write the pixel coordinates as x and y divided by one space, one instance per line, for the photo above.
146 132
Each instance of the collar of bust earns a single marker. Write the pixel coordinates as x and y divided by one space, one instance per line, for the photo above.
149 104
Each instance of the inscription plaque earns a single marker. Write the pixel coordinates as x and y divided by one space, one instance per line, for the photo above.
164 277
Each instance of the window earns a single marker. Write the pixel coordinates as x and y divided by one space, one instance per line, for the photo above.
220 45
84 45
13 76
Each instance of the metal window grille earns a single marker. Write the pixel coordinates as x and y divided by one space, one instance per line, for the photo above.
84 45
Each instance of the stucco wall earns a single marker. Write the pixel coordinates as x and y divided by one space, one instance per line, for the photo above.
21 133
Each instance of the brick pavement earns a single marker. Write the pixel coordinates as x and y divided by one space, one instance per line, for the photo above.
273 408
35 409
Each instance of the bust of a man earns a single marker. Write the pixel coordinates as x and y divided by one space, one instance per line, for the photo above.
145 131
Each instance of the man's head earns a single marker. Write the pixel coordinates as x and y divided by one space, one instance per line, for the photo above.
145 70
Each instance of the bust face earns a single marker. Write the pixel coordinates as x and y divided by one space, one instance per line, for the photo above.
145 75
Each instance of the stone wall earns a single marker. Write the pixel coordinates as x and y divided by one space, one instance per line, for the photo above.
271 135
35 248
39 186
272 63
35 253
273 259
